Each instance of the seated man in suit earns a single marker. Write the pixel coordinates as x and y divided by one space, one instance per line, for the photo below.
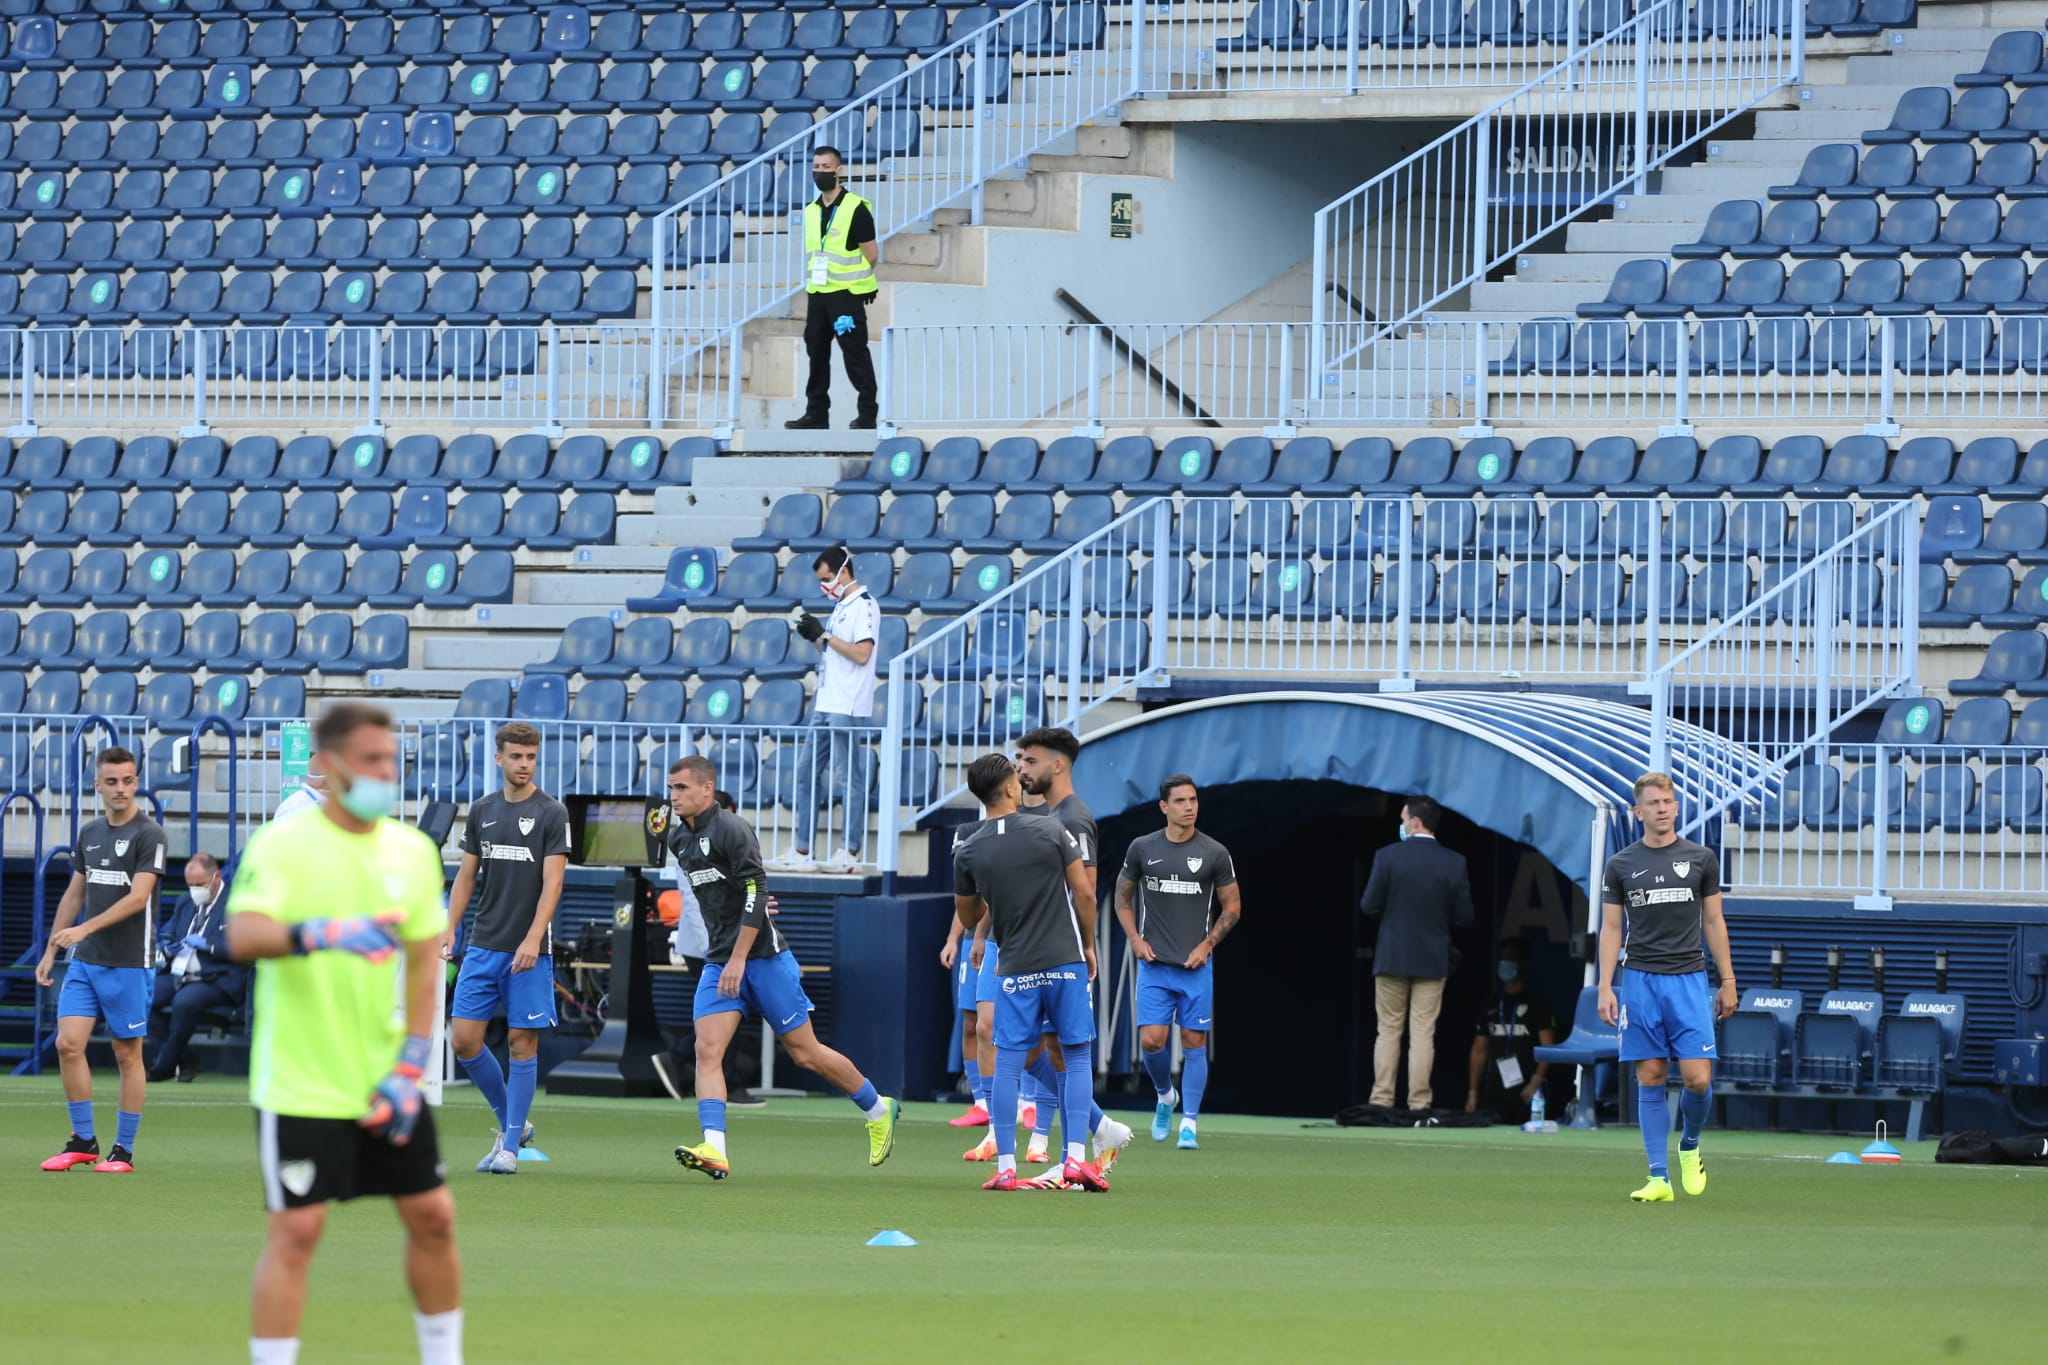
199 975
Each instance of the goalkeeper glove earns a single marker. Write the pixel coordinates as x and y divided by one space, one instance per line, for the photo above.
369 936
808 627
395 1103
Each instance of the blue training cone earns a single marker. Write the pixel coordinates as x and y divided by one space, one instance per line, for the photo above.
532 1154
1842 1159
892 1238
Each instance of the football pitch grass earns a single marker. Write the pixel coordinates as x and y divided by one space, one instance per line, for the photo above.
1275 1241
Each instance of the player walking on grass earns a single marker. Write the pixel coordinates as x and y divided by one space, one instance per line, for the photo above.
1663 895
325 901
748 965
107 917
1177 899
515 850
1025 873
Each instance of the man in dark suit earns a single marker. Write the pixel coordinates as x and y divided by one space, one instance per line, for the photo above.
198 974
1419 893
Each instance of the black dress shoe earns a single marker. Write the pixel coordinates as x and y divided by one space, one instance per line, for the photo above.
810 421
188 1071
864 422
162 1073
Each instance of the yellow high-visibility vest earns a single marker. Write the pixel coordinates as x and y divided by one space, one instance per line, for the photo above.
830 265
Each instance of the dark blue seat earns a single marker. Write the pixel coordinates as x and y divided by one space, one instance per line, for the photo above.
2016 660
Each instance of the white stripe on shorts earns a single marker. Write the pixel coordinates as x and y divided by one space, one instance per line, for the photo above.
266 1155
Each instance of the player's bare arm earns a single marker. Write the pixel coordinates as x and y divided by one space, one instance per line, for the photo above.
458 901
68 907
552 869
1079 879
1716 929
949 952
1127 915
968 910
979 948
735 970
1610 958
1230 909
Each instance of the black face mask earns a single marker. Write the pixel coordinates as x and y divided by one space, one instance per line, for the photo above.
826 181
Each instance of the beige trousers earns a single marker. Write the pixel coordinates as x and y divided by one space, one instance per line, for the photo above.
1411 1003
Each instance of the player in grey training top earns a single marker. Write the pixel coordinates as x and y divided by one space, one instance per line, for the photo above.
107 917
720 861
515 852
1018 865
1662 900
1177 899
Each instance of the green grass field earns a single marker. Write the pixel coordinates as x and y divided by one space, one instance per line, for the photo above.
1274 1242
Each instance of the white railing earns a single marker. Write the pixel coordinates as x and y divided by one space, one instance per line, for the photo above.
191 379
1349 47
1714 608
1088 375
1423 231
1878 821
1079 629
1554 372
763 767
935 134
1834 637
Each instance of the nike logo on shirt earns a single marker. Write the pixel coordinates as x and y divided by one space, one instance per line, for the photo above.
1153 862
1633 875
488 823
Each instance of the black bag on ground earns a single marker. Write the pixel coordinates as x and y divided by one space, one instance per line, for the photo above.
1973 1147
1386 1116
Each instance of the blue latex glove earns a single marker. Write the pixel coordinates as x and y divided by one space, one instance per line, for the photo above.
842 325
369 936
196 942
395 1103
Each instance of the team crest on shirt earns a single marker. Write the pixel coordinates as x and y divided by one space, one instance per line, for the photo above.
704 844
1681 868
1194 864
526 825
120 848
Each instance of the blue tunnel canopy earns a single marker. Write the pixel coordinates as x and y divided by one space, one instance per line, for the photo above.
1553 772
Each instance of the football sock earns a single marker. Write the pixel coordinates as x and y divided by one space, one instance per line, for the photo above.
1003 1100
489 1079
977 1083
869 1101
1693 1107
1046 1090
125 1126
1653 1112
519 1099
273 1350
81 1118
1159 1066
440 1335
711 1113
1078 1097
1194 1079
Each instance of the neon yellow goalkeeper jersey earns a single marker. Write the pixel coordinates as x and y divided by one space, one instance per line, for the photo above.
328 1025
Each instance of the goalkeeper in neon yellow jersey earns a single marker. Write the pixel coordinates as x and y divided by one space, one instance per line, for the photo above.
341 910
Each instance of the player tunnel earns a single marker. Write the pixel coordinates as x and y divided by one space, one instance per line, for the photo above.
1304 787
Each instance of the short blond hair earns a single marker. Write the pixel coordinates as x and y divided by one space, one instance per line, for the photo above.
1660 781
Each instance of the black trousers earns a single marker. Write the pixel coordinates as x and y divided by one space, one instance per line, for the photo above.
825 309
175 1014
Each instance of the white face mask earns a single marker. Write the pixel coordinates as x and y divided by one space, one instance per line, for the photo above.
202 896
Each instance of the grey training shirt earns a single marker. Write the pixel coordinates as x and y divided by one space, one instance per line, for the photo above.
1663 894
721 861
110 857
1018 864
1176 900
509 839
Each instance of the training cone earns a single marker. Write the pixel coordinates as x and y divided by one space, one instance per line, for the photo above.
1880 1152
892 1238
532 1154
1842 1159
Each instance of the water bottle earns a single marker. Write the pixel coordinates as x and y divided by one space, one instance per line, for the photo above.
1536 1111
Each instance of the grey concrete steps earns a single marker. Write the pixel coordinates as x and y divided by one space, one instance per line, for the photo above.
590 589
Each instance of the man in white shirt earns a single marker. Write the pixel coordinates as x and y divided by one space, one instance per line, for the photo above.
310 792
845 699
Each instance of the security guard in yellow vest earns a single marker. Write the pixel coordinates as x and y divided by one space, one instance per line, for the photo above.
839 277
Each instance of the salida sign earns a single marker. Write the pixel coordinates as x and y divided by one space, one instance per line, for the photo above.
1565 164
